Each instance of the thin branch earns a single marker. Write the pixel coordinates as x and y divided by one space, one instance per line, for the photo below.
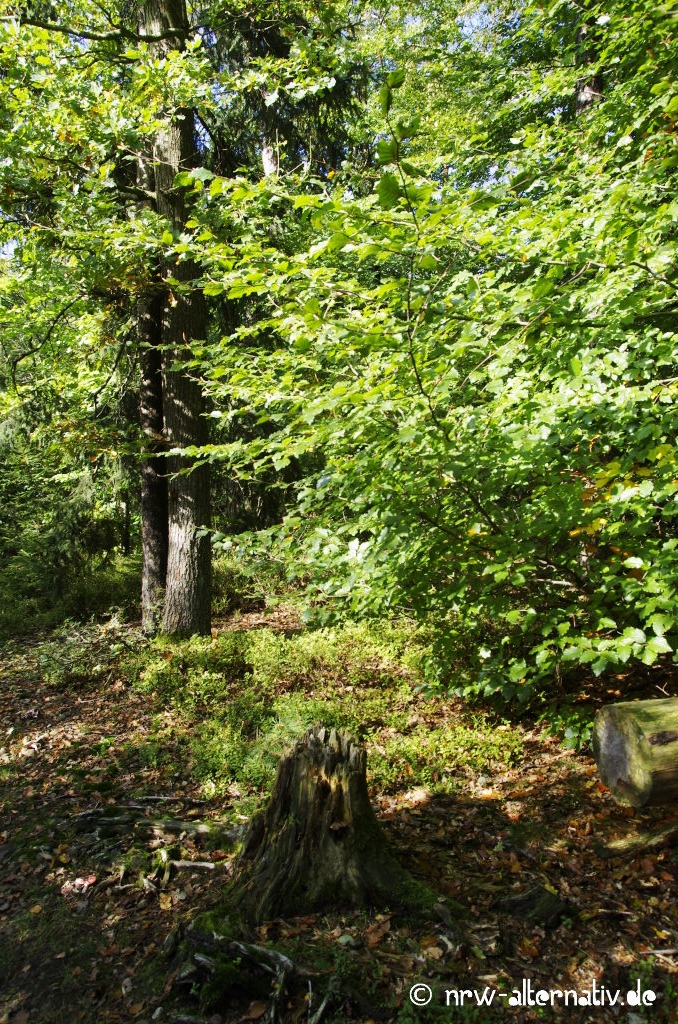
116 363
115 35
657 277
43 341
63 160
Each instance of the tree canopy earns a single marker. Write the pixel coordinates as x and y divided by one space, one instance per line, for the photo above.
436 249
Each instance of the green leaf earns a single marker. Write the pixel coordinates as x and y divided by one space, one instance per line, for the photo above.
337 241
201 174
387 151
395 78
655 646
407 130
385 99
636 636
388 191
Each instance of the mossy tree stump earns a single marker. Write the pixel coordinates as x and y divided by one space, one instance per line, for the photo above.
635 745
318 843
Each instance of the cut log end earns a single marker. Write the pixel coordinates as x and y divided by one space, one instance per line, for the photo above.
318 843
635 745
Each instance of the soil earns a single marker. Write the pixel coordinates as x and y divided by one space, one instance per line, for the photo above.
92 909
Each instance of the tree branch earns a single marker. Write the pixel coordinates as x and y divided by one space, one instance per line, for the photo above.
43 341
116 363
120 32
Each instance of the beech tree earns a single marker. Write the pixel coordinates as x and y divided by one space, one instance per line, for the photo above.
480 340
80 198
176 552
122 105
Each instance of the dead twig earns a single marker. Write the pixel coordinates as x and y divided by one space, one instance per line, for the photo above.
208 865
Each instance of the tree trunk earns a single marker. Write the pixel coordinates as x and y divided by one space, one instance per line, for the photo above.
635 745
153 467
318 843
188 578
589 86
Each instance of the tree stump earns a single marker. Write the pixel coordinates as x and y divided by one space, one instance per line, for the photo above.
635 745
318 843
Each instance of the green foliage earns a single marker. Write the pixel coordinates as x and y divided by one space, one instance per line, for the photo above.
81 241
482 348
441 357
253 694
76 654
67 512
246 585
433 756
571 722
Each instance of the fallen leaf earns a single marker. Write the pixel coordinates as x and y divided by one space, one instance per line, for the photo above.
256 1011
37 909
528 948
376 931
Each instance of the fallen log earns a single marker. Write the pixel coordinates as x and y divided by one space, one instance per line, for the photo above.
635 745
634 845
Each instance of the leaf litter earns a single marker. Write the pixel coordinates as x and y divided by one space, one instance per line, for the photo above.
97 885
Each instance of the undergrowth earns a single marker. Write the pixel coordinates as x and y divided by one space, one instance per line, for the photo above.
248 696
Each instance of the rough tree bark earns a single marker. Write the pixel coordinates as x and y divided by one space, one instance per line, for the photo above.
182 318
635 745
589 88
318 843
153 467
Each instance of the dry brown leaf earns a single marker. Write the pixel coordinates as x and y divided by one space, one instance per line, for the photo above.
255 1012
376 931
528 948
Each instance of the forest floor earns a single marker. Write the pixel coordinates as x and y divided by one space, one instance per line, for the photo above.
109 847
